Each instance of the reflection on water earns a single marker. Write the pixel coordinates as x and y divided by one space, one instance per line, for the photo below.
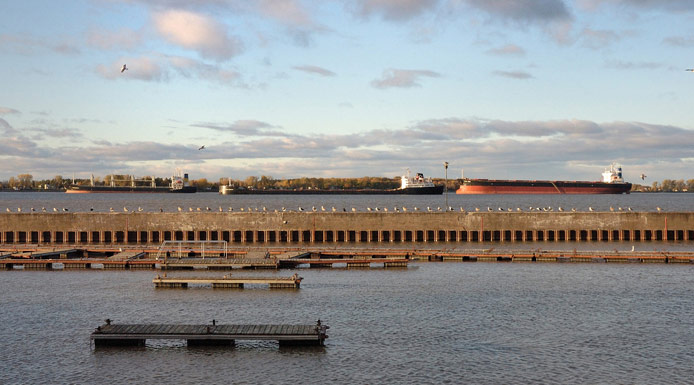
431 323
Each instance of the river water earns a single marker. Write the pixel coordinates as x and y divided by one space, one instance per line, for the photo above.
430 323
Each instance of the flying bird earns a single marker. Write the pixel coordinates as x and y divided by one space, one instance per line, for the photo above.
201 147
643 176
123 69
690 69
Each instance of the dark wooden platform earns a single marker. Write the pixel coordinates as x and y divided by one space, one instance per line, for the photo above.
293 282
207 335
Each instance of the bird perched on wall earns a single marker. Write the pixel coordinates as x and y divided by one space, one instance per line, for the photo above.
124 68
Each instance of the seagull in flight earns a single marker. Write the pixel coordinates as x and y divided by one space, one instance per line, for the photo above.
201 147
124 68
643 176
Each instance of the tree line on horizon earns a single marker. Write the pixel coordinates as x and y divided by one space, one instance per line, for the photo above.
58 182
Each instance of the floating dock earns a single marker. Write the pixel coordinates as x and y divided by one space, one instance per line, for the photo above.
293 282
110 334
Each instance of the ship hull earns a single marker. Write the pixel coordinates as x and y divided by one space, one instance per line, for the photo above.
406 191
488 186
77 189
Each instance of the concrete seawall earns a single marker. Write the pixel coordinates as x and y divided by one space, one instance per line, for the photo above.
293 227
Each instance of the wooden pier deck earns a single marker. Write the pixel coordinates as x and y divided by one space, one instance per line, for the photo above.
110 334
293 282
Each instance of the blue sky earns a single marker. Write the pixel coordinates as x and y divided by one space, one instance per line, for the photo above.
525 89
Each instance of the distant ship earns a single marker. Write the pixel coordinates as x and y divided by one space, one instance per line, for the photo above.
417 185
178 185
612 183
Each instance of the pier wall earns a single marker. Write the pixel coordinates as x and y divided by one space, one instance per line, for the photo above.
295 227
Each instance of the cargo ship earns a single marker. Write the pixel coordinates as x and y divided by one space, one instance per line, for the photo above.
612 183
409 185
178 185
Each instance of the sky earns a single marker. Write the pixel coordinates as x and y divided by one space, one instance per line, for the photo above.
519 89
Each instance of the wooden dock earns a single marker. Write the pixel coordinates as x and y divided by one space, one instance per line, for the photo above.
293 282
110 334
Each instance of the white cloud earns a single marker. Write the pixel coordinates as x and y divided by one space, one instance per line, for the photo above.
508 50
197 32
314 70
402 78
124 38
514 74
8 111
140 68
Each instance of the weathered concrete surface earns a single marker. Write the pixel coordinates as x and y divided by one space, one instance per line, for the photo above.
18 227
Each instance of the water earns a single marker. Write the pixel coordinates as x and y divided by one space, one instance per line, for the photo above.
171 202
431 323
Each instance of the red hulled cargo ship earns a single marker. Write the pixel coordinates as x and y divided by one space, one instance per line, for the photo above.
612 183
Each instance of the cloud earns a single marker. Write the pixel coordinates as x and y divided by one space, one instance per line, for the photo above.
514 74
392 10
245 128
523 10
289 12
193 68
680 41
8 111
124 38
597 39
314 70
27 45
197 32
140 68
668 5
630 65
507 50
42 133
553 149
159 68
402 78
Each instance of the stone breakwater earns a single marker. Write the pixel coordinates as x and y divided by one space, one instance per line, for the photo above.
321 227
